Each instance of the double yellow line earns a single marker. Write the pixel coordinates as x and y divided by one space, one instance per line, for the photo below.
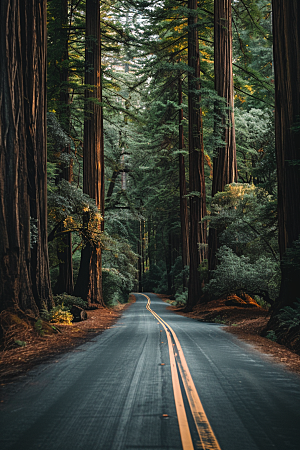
179 367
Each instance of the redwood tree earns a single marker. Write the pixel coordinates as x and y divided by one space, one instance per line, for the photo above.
64 281
184 219
89 281
224 162
286 38
197 237
24 279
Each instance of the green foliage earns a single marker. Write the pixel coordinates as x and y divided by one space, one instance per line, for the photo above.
115 287
252 53
67 301
289 317
255 144
178 273
246 217
119 266
33 232
218 319
39 327
261 302
119 270
20 343
236 274
181 297
58 314
271 335
77 211
152 278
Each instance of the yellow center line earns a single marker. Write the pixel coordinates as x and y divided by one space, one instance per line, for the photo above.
185 434
206 435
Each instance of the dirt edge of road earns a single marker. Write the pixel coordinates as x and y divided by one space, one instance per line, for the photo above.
17 361
245 323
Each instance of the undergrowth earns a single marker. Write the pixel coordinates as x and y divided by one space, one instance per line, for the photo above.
58 314
290 317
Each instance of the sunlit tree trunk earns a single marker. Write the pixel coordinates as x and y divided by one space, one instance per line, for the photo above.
197 236
286 38
34 38
224 162
89 281
24 274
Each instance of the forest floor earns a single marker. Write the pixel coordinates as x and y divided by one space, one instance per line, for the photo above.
247 324
18 360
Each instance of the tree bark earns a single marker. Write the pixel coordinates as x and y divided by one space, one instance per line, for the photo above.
140 261
184 219
224 162
89 281
34 37
64 281
24 279
286 38
197 236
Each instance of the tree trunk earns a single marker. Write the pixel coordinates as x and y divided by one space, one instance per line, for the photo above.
197 236
89 281
64 281
168 256
34 36
140 261
182 186
224 162
286 38
24 279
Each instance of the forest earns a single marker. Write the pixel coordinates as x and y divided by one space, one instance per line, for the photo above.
150 147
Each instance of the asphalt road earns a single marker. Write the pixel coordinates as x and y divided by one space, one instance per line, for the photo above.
116 392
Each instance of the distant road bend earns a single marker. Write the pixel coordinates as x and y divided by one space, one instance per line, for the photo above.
155 380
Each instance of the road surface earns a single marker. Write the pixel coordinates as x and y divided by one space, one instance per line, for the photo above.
155 380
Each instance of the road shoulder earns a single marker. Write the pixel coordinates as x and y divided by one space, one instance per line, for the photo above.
40 349
246 324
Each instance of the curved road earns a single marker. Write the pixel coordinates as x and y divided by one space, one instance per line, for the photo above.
119 391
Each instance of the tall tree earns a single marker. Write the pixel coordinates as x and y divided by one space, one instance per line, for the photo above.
184 219
64 281
89 281
25 280
197 238
286 38
224 162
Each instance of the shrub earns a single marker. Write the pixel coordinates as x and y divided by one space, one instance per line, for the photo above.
271 335
67 301
290 317
236 274
181 297
119 270
58 314
115 288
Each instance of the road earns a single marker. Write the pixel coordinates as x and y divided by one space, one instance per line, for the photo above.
155 380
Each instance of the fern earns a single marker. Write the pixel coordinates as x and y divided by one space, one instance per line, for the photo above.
290 317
